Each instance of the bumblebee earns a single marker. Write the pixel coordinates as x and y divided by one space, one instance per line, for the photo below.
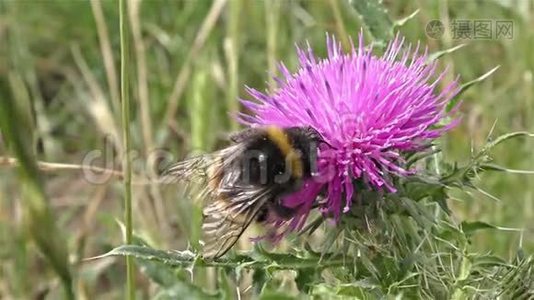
245 181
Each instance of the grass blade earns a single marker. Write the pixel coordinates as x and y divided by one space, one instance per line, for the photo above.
16 124
127 168
232 58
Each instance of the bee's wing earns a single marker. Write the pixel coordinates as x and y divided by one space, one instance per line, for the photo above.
229 206
225 219
202 167
194 168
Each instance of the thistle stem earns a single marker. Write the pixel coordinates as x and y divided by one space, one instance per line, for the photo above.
127 168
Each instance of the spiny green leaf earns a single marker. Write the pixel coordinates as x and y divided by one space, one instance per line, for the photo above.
352 290
158 272
330 239
275 295
450 232
324 291
494 167
417 212
467 85
436 55
187 291
414 157
517 281
401 22
169 258
503 138
361 289
313 225
470 227
260 278
223 284
249 260
305 279
406 265
154 270
488 260
375 18
462 176
420 187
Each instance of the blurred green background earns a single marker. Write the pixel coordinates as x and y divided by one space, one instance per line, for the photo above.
189 63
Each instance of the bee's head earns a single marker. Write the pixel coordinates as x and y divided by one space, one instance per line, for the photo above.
312 134
306 141
307 133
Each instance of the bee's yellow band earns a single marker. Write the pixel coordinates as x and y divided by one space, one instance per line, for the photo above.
278 136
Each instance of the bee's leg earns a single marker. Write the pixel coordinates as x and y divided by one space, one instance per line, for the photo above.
285 212
282 211
263 214
279 210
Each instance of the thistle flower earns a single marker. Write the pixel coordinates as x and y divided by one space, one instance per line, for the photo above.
368 109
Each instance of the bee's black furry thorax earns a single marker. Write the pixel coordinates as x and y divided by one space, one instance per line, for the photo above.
282 158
